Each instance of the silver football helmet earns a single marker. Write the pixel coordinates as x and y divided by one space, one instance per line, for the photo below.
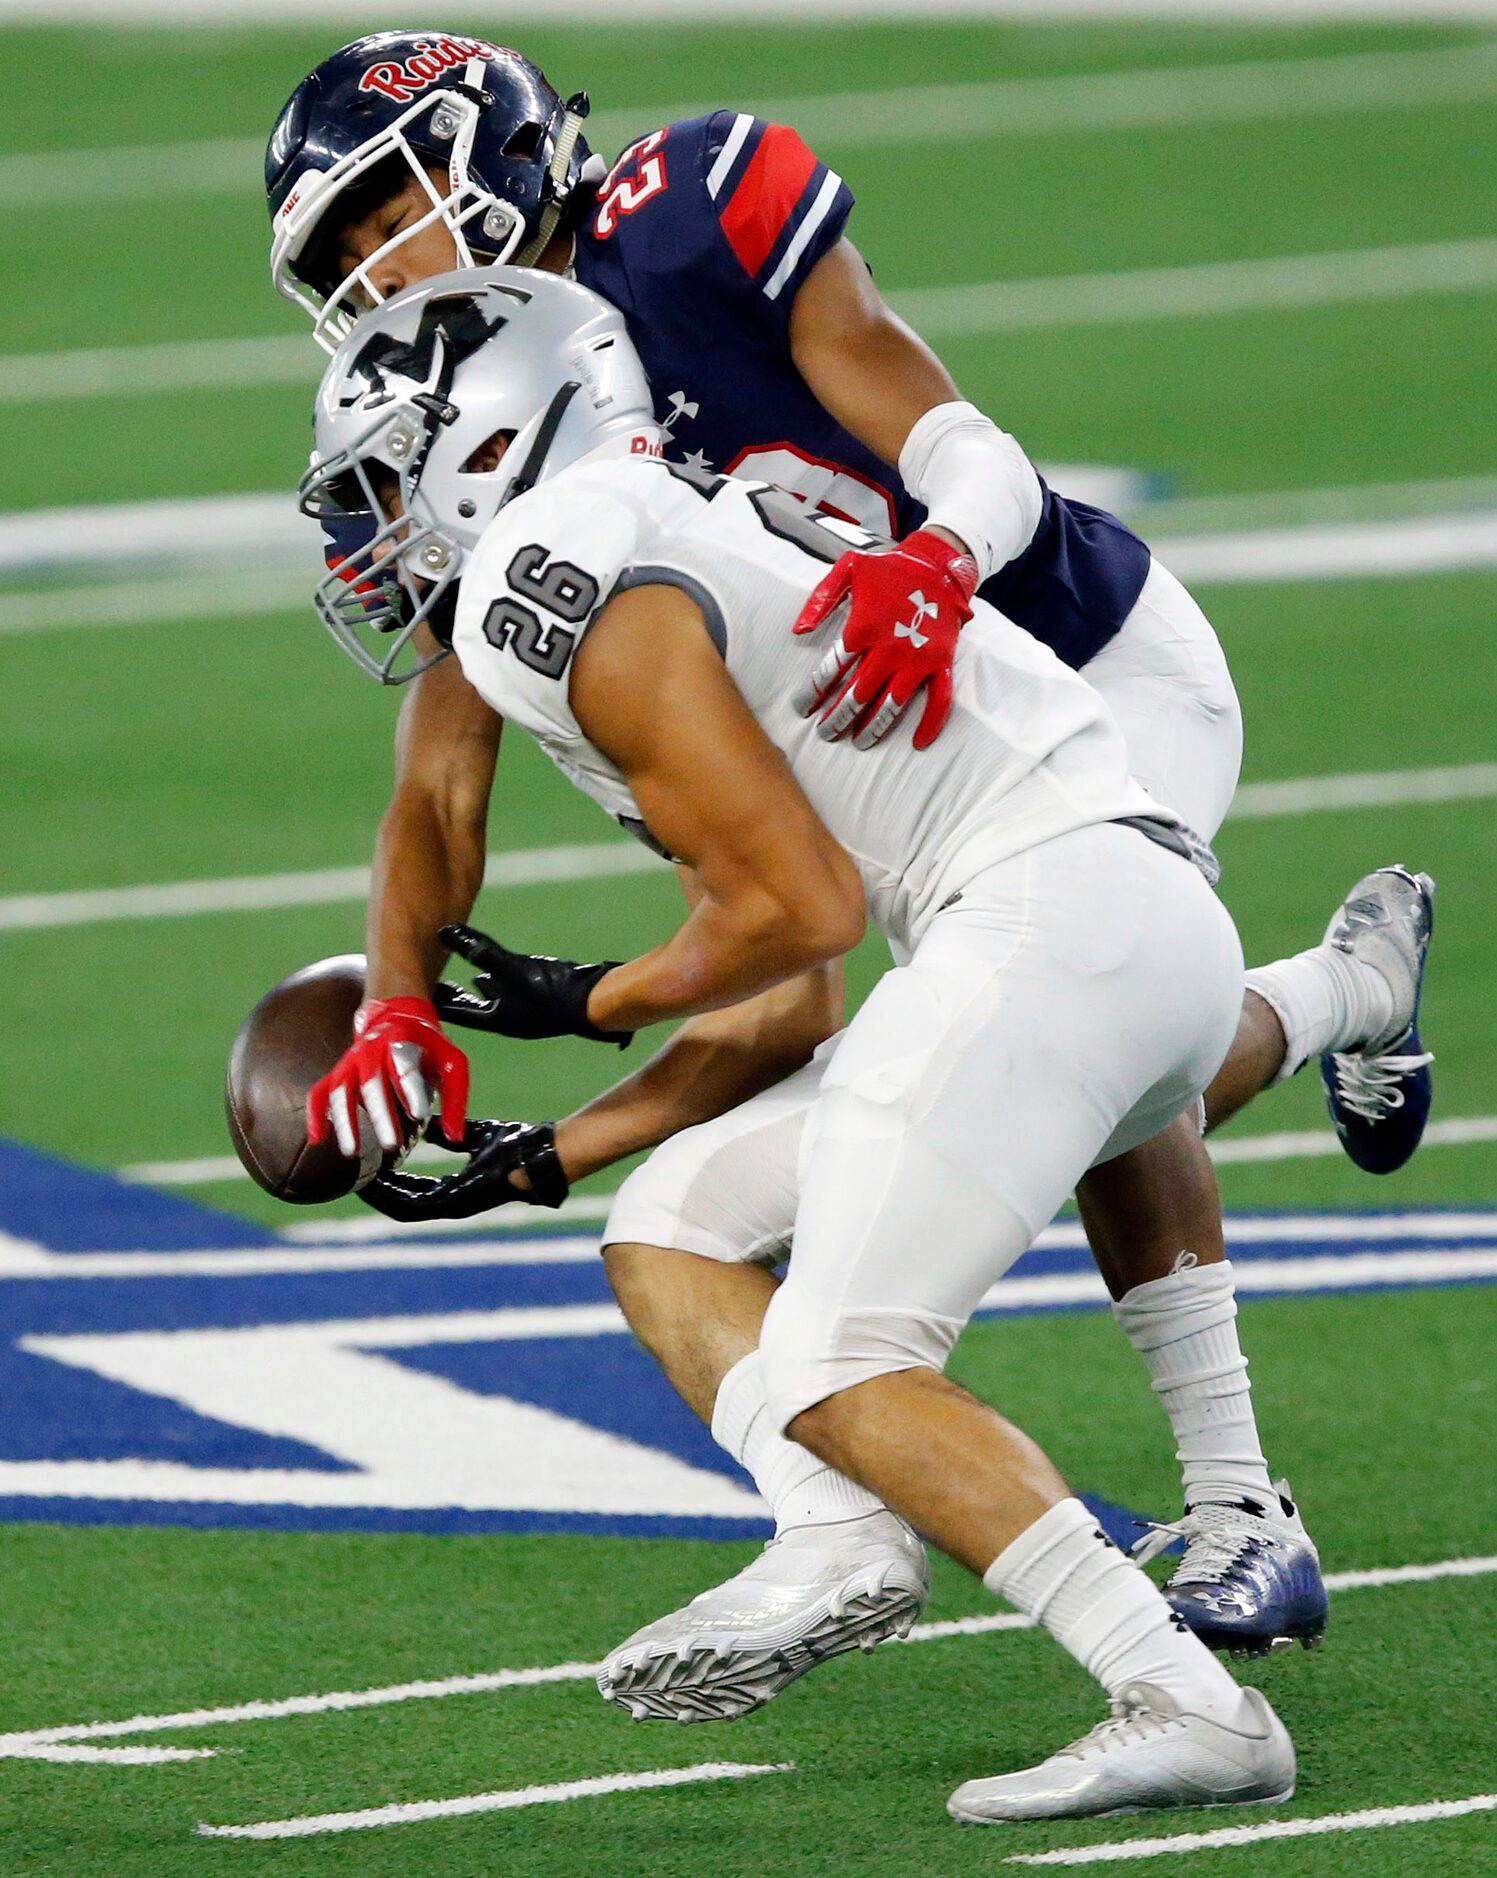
406 406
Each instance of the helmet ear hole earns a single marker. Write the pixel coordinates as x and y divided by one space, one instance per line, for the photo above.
489 454
525 142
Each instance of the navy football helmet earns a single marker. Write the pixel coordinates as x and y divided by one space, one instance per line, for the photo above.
400 104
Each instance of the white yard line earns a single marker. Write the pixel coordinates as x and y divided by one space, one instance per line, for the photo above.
1315 1272
199 536
1324 1144
1309 1145
1461 1247
1252 90
1323 1272
413 1812
135 602
1389 547
1271 283
26 1261
1262 509
331 886
1389 788
199 531
1416 544
1373 1819
603 860
145 371
437 1689
168 534
1253 1229
117 1757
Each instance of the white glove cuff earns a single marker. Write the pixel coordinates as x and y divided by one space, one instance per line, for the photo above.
974 479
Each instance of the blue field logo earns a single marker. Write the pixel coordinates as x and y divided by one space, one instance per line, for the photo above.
162 1363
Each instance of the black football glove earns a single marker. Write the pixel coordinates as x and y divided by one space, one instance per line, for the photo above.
496 1151
519 994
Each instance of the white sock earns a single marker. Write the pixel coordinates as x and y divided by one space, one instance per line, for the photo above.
1068 1576
1184 1327
800 1488
1326 1000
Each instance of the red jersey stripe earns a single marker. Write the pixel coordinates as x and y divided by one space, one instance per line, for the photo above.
765 199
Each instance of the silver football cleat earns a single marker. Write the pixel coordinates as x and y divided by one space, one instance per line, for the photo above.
1384 922
813 1593
1380 1092
1148 1753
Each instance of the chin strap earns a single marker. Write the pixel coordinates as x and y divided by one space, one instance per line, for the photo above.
545 436
561 162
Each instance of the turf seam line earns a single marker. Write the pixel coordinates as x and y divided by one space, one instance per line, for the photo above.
439 1688
1371 1819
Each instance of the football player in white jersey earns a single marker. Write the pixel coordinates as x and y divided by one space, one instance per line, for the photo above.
1069 982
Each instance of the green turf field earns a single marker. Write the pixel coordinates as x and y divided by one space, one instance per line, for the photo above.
111 1623
189 749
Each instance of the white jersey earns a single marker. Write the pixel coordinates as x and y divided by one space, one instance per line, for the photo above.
1030 751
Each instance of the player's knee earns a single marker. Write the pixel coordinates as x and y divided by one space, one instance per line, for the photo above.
811 1351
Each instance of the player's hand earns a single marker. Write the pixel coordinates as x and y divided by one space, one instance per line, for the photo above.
398 1055
496 1152
905 608
520 994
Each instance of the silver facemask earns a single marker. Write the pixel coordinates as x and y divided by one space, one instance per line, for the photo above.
406 404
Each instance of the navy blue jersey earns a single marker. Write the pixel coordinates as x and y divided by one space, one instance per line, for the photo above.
702 235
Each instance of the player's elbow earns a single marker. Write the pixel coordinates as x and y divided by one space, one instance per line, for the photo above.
830 913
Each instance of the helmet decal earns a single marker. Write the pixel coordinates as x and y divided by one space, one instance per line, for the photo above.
456 325
428 61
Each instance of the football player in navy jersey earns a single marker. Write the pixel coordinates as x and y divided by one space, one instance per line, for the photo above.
771 354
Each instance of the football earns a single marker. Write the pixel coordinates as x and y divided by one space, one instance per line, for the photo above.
291 1039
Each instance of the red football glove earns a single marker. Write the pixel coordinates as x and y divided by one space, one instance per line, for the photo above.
398 1052
905 609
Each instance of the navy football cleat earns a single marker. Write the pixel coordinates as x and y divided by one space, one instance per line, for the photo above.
1379 1095
1250 1579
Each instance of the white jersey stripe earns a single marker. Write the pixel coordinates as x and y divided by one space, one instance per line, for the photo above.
819 210
728 155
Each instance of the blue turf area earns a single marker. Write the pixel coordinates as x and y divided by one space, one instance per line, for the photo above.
193 1391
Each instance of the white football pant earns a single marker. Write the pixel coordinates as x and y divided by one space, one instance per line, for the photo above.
1067 1006
1166 681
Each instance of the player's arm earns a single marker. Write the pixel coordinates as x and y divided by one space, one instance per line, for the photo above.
779 896
429 857
881 381
710 1065
713 1061
428 868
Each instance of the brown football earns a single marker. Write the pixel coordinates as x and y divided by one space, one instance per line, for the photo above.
290 1040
